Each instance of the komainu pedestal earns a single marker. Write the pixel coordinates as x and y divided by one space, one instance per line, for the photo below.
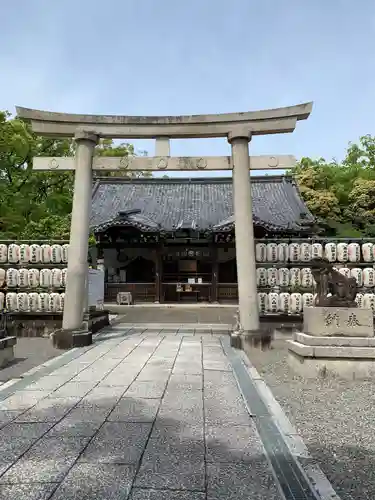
336 341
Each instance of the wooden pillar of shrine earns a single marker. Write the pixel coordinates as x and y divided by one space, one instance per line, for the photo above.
215 273
158 274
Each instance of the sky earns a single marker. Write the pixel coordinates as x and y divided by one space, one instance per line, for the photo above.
173 57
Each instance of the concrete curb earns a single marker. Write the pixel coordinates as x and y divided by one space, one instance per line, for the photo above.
293 440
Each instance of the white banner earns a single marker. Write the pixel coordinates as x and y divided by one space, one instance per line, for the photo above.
96 288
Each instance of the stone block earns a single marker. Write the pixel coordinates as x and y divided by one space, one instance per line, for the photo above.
68 339
346 368
344 352
310 340
239 481
47 461
338 321
6 356
118 443
332 351
7 350
94 481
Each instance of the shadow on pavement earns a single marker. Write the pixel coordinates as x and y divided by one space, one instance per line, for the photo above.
104 446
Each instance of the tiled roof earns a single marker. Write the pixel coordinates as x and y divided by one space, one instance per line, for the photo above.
170 204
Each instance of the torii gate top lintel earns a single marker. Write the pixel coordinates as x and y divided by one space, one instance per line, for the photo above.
268 121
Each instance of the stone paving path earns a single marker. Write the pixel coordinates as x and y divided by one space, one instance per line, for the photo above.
136 416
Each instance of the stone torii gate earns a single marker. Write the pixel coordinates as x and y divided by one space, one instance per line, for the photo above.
238 128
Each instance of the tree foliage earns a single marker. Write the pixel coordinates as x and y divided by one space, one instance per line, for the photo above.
37 205
342 194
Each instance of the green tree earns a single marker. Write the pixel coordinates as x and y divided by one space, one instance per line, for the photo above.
37 205
341 194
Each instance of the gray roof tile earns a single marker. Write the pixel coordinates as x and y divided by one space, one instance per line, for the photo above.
190 203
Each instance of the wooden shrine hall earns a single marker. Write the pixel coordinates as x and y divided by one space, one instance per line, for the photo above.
172 240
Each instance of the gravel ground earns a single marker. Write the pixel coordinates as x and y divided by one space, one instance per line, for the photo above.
336 419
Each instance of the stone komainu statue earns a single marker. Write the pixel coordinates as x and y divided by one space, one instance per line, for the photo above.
333 288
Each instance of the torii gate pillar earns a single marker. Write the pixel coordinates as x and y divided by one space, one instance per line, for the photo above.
79 232
243 214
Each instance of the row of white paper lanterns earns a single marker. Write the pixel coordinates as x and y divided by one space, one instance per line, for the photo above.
294 303
33 278
32 302
33 254
295 276
304 252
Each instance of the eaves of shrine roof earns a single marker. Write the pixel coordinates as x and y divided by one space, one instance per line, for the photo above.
198 204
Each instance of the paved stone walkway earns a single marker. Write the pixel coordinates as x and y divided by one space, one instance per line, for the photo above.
153 415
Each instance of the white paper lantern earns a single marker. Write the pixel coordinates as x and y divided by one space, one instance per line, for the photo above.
33 278
294 252
23 278
261 252
64 276
62 300
56 278
357 274
13 253
43 302
368 252
284 302
354 252
34 301
283 252
45 278
283 276
262 302
272 255
295 276
359 299
261 276
317 251
54 302
307 300
56 254
3 253
2 301
272 276
24 254
306 252
369 301
296 304
12 278
23 302
2 277
11 301
369 277
307 280
330 252
46 254
342 252
273 302
35 254
65 252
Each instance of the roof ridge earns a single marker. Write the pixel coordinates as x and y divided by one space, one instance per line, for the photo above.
190 180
